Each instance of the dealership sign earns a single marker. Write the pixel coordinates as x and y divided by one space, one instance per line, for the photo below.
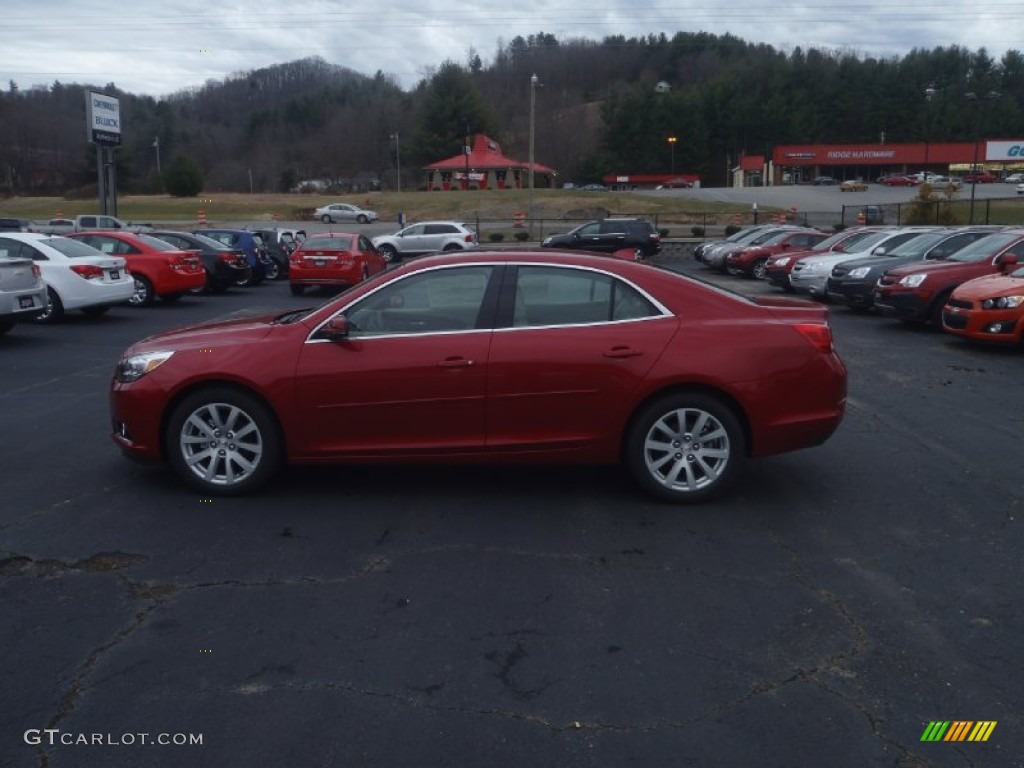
1004 150
103 118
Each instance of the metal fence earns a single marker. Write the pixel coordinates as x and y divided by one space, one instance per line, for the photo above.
703 224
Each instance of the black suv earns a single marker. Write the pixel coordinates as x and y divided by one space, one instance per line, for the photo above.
610 235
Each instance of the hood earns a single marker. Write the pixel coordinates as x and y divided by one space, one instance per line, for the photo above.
236 331
930 266
990 287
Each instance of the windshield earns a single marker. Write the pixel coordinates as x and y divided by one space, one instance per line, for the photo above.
985 248
765 237
838 237
867 242
919 245
73 249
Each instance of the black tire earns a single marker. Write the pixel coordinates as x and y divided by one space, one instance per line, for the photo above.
272 270
97 311
451 247
170 298
757 269
326 219
638 254
54 311
361 219
239 448
297 289
144 295
388 252
660 434
935 311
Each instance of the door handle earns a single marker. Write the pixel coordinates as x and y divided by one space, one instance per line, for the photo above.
455 362
621 352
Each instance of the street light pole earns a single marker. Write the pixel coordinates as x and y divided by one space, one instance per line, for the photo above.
398 162
672 154
156 146
533 109
974 98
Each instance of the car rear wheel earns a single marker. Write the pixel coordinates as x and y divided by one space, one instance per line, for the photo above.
272 270
326 219
143 295
757 269
54 310
452 247
223 441
389 253
685 448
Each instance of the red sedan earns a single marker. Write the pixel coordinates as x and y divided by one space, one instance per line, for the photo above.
335 258
159 269
504 357
900 181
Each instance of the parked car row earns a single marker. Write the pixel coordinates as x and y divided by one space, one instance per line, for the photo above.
965 280
44 276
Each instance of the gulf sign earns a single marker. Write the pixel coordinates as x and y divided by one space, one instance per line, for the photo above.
1004 150
103 118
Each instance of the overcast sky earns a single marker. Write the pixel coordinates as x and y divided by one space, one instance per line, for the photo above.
157 47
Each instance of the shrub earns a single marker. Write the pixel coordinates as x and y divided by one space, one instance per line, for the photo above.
663 232
731 229
182 178
697 231
496 237
522 235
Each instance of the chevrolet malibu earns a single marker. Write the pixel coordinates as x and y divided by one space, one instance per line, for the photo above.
520 357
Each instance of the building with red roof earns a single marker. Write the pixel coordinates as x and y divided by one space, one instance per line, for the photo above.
485 167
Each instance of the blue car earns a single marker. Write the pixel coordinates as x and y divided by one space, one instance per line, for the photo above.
261 266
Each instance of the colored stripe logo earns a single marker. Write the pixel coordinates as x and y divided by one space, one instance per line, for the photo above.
958 730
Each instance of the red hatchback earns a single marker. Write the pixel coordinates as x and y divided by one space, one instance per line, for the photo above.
335 258
159 269
988 308
504 357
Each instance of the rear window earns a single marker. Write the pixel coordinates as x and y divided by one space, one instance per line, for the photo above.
73 249
326 244
156 243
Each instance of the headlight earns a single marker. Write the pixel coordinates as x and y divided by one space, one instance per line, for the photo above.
135 367
547 242
1003 302
859 272
912 281
781 262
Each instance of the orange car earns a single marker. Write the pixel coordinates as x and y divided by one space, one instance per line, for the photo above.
989 308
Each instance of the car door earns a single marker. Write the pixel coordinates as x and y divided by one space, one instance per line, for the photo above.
588 237
413 240
434 236
568 356
612 237
371 258
410 377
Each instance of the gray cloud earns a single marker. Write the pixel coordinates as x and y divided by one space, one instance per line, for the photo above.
157 48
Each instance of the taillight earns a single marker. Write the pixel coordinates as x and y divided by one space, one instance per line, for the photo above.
87 271
228 258
818 334
469 238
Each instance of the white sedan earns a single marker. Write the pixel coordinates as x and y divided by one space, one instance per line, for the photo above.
329 214
77 276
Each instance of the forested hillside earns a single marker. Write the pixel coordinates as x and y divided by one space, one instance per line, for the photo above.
601 106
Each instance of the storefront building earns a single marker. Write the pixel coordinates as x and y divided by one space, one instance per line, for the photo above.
802 163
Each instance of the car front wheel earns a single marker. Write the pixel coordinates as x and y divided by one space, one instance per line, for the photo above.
757 269
223 441
389 253
685 448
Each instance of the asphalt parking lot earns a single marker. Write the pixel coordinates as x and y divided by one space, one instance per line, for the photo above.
825 613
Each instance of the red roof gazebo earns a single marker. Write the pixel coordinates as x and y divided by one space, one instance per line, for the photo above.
485 167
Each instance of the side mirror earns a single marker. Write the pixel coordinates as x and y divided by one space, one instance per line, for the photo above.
335 329
1009 260
786 246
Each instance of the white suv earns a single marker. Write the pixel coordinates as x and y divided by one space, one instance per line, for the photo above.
425 237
